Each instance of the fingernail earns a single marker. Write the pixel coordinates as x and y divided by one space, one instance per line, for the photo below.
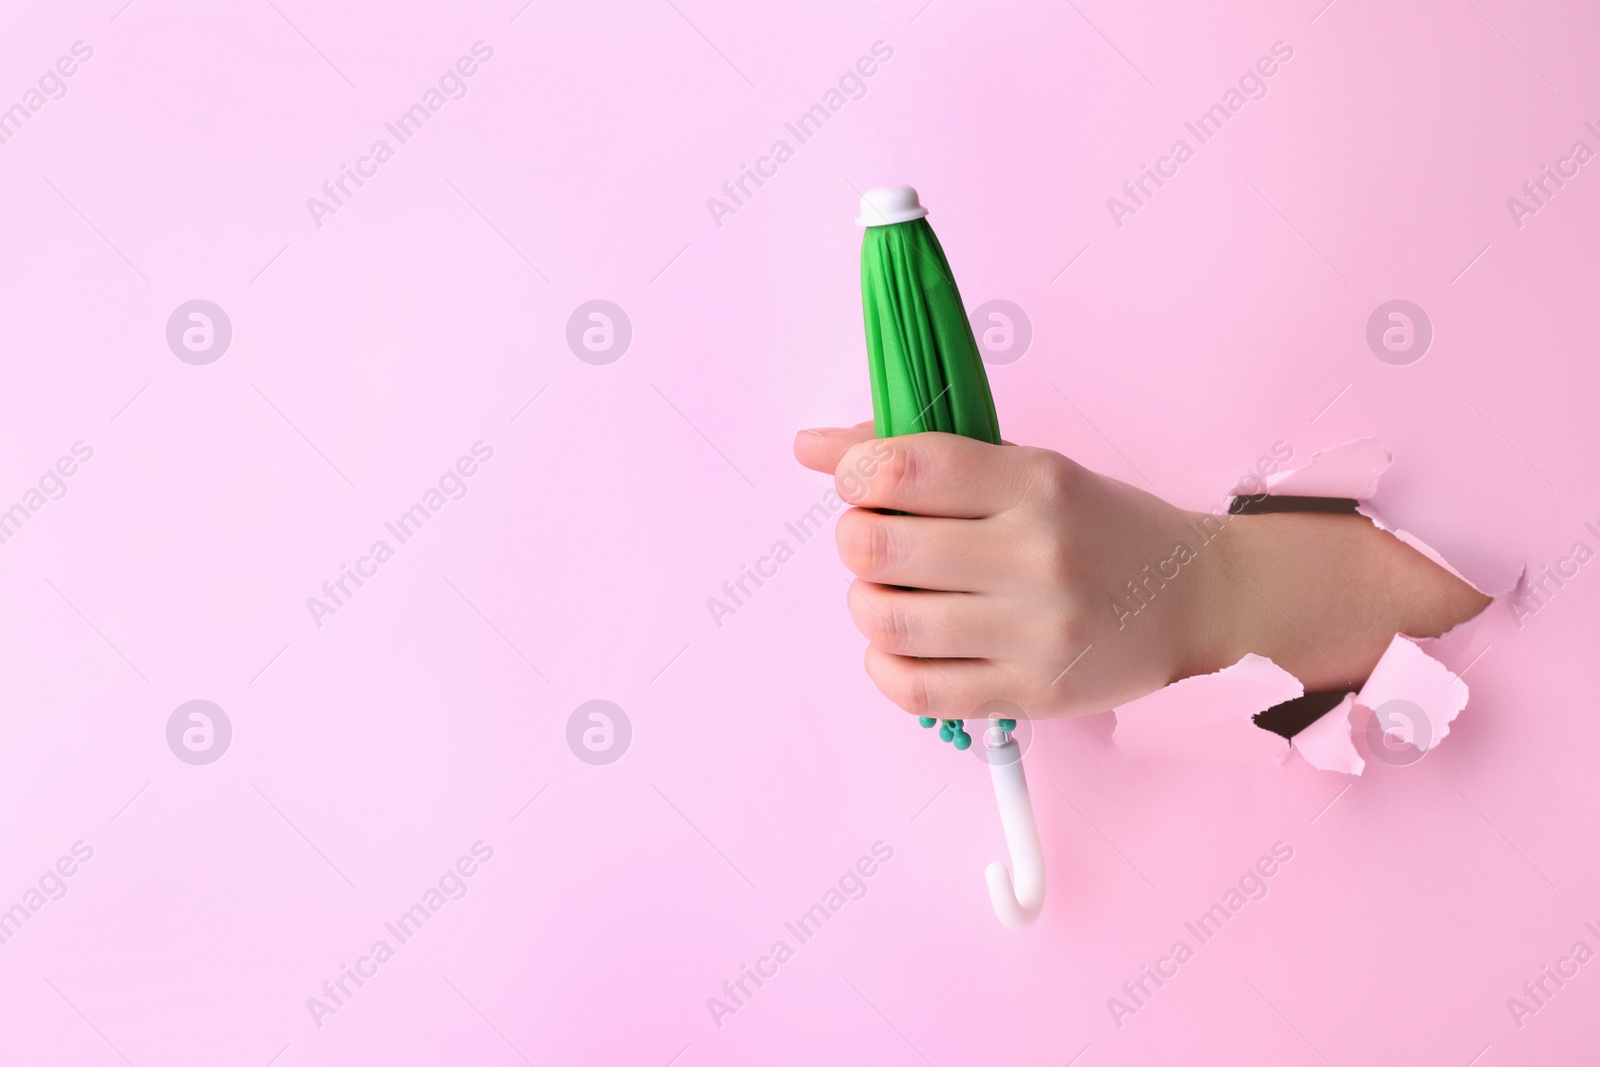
824 431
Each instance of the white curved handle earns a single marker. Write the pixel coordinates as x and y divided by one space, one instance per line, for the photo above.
1017 897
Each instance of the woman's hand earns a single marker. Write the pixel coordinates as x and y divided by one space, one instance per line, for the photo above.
1017 575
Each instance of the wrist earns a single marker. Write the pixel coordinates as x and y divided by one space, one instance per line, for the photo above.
1219 620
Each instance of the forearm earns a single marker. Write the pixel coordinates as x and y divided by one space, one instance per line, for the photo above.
1321 596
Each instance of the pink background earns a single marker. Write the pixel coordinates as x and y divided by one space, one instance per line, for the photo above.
372 351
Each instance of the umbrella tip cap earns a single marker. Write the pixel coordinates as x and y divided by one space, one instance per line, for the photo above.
889 204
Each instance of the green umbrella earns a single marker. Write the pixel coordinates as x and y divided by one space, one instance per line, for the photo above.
927 375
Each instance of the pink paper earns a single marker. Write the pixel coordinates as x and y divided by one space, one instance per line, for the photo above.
590 255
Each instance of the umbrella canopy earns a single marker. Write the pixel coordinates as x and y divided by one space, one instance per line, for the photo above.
927 374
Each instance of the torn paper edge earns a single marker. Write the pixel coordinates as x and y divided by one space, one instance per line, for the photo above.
1413 696
1349 470
1147 724
1327 743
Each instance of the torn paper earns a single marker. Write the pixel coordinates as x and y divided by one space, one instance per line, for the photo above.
1202 714
1350 470
1413 699
1327 744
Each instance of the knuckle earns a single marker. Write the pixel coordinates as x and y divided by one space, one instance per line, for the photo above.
894 628
1053 476
850 479
899 467
879 548
866 544
904 687
1060 563
913 693
1050 556
879 623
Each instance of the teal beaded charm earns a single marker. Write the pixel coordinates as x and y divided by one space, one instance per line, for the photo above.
954 730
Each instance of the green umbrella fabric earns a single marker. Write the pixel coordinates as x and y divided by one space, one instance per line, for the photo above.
927 374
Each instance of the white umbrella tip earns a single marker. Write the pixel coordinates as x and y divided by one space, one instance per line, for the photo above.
889 204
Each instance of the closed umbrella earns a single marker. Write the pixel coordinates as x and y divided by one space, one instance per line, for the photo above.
927 376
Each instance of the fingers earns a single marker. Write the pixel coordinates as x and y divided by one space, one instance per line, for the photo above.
955 555
938 688
938 474
909 622
822 449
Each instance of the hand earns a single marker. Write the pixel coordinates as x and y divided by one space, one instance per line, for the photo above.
1016 574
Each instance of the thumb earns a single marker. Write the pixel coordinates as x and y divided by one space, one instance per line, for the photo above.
822 449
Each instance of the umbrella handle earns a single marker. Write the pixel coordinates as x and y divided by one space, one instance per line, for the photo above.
1017 900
